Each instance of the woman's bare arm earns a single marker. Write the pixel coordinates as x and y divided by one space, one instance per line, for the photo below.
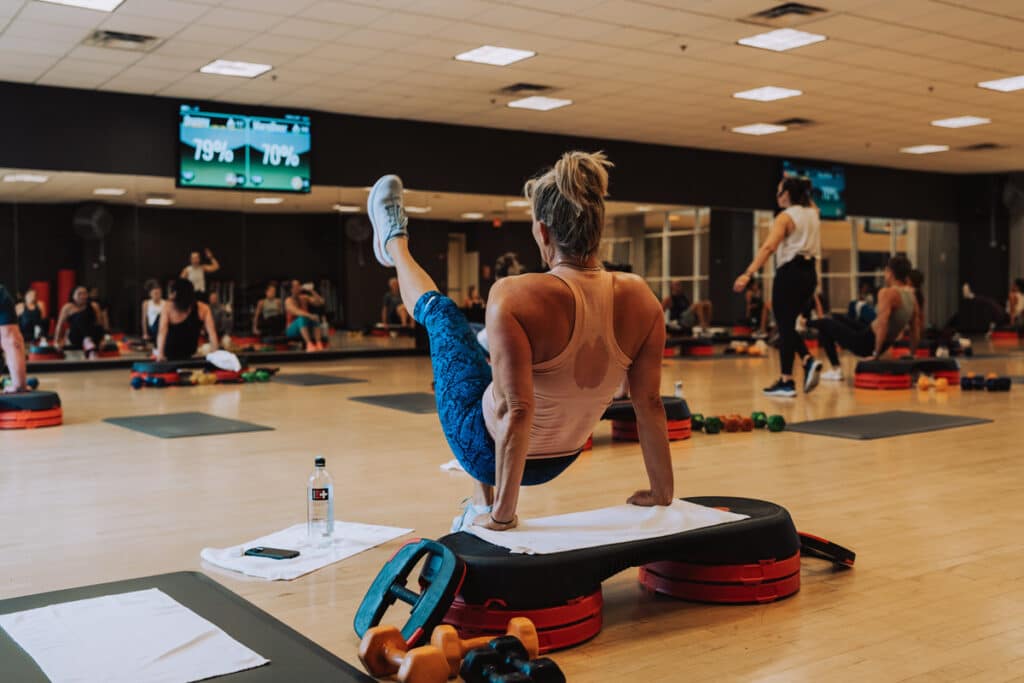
780 228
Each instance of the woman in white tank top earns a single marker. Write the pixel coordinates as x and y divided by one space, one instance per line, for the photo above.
795 239
560 343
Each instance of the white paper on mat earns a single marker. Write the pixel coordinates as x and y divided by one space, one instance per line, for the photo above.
126 638
605 526
349 539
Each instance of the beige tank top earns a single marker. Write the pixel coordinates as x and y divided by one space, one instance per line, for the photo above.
573 389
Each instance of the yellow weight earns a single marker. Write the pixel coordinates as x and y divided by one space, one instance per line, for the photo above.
924 383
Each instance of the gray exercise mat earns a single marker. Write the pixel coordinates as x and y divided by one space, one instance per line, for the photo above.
418 403
312 379
177 425
292 656
883 425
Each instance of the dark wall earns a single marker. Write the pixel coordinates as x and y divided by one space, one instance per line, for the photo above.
984 237
731 251
431 156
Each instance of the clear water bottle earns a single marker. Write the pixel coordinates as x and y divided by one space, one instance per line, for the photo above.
320 505
679 389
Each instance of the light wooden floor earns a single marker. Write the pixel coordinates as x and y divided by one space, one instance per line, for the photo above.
937 519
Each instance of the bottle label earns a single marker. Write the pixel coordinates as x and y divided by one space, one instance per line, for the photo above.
320 494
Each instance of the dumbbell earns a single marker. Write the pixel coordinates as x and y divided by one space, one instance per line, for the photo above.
384 652
776 423
760 419
446 639
697 421
505 660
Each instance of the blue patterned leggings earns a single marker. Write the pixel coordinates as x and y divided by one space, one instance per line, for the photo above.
461 375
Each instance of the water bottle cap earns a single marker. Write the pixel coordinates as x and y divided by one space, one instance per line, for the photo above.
320 462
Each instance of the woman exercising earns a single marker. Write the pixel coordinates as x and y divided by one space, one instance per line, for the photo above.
180 323
151 310
80 319
897 311
12 344
32 317
796 237
1015 303
560 344
268 320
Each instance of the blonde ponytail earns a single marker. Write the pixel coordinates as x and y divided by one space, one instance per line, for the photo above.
569 199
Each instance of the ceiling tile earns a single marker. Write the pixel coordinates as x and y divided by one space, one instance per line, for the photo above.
307 29
269 6
103 54
171 10
215 35
61 14
240 19
342 13
147 26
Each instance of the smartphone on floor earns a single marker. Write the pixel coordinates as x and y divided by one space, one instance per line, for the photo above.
272 553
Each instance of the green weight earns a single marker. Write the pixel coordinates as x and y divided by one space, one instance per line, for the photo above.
262 376
712 425
248 376
776 423
697 421
760 419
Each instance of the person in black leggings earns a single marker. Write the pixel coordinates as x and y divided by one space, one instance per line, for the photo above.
181 322
795 239
898 310
12 343
80 318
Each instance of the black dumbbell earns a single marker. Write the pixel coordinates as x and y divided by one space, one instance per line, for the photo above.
505 660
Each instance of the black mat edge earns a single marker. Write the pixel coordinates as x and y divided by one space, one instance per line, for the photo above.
974 421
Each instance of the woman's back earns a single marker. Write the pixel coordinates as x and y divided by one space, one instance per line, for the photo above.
805 238
583 330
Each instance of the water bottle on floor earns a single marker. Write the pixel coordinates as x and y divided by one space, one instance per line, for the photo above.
320 505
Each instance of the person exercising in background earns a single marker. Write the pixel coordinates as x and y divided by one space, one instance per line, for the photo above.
31 317
196 271
222 318
392 310
473 298
1015 304
560 344
268 320
897 311
182 319
152 307
682 312
302 323
12 343
79 323
795 240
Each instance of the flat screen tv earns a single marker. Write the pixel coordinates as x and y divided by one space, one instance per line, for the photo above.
230 150
829 183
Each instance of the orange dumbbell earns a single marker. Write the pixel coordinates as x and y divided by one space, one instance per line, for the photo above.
446 639
383 652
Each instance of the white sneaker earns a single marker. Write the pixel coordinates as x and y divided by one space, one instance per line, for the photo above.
469 513
387 215
833 375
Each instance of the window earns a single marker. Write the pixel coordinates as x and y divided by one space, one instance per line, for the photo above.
676 249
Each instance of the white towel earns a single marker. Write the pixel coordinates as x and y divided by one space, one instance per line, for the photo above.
594 528
225 360
349 539
139 636
453 465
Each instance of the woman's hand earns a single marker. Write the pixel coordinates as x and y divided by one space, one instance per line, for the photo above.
648 498
741 283
487 522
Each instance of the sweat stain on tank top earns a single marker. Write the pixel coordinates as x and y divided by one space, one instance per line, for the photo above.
590 356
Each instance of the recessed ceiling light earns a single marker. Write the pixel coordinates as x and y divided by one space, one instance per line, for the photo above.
495 56
961 122
539 103
644 208
782 39
25 178
925 149
417 209
267 200
225 67
346 208
759 129
101 5
110 191
1004 84
472 215
159 201
518 202
768 93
